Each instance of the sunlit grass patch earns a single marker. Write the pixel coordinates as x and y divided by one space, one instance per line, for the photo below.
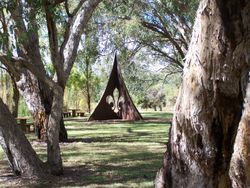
109 154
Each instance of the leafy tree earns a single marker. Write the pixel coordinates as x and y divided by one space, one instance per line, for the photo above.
43 93
161 28
153 98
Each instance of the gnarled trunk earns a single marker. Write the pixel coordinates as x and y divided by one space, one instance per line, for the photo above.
21 156
240 162
210 102
38 98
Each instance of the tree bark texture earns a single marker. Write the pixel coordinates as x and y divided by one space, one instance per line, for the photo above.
53 149
210 101
15 97
28 86
88 77
240 162
21 156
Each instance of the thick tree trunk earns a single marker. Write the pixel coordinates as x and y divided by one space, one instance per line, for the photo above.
47 99
53 148
21 156
29 89
240 162
46 108
210 102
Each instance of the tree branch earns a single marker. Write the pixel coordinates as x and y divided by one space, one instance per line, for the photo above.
68 26
178 63
168 35
67 8
53 43
4 68
78 7
14 62
75 31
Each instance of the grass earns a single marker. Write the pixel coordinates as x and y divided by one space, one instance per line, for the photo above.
107 154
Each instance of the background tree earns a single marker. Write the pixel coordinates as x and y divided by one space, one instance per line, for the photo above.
44 94
210 103
153 98
89 55
161 28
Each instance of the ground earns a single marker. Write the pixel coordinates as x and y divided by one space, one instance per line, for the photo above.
103 154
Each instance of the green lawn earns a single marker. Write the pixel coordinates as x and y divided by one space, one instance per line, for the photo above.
107 154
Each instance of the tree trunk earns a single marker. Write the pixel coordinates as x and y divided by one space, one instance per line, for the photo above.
63 135
47 98
28 86
210 102
16 97
53 148
21 156
88 77
240 162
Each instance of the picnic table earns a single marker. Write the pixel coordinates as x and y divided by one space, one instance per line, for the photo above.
81 114
74 112
66 114
22 121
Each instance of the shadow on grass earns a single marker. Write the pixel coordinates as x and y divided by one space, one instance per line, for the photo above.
102 154
110 172
128 138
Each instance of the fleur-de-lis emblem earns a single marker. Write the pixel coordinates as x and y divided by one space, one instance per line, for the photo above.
115 100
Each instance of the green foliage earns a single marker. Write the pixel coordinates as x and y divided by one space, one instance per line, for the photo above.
83 83
154 98
23 109
115 26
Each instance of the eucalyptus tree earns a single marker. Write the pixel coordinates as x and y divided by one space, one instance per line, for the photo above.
44 94
202 150
169 25
162 28
89 55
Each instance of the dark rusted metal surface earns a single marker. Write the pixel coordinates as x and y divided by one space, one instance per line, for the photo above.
115 102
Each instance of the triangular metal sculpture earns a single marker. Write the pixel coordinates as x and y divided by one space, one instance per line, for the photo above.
115 102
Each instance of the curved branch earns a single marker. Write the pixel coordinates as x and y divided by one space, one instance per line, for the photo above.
74 35
14 62
53 43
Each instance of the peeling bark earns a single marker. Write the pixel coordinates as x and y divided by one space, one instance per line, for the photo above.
240 162
210 102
